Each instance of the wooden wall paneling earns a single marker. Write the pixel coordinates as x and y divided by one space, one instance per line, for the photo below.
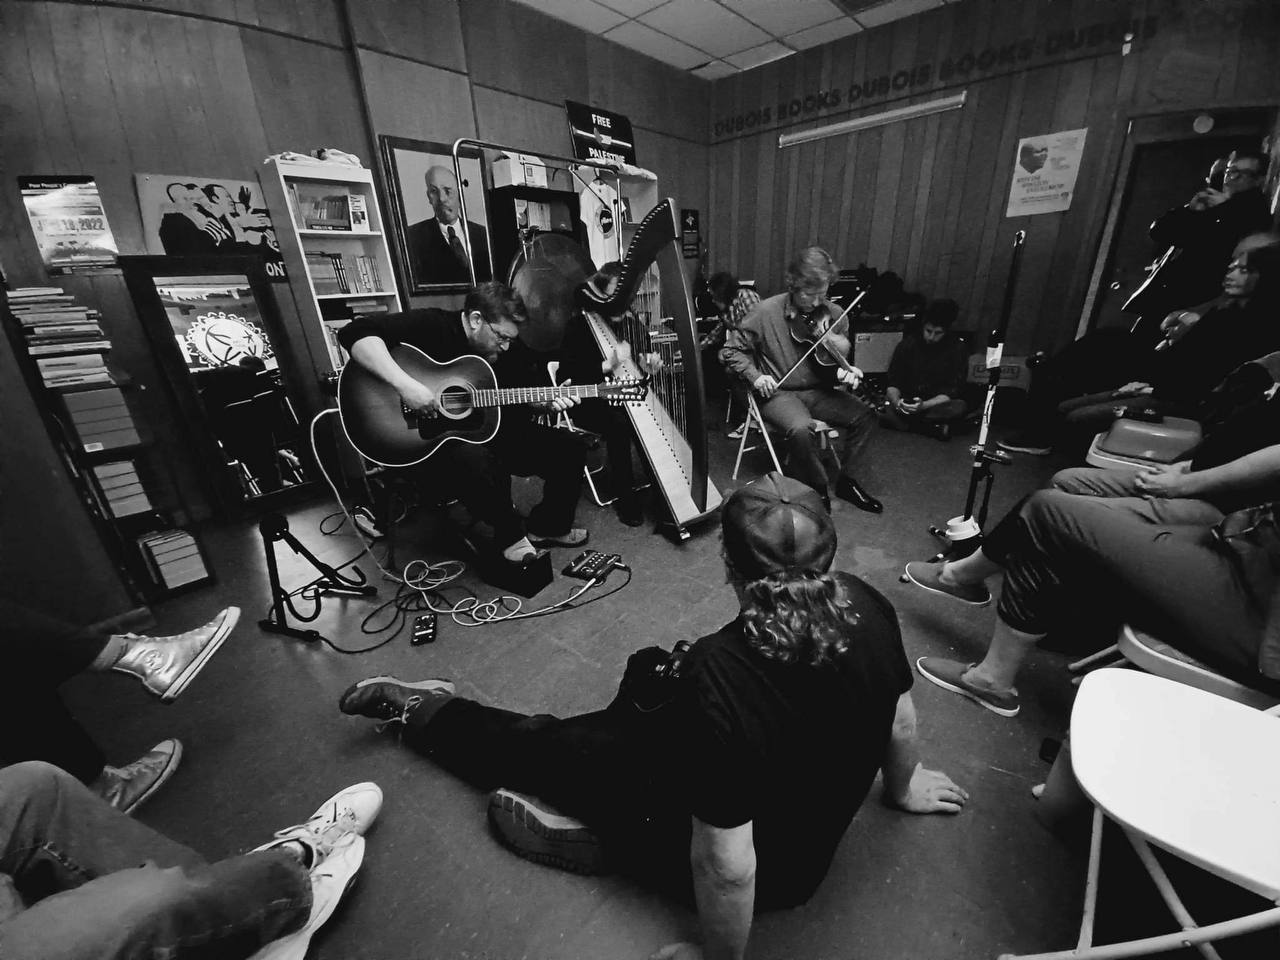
425 30
277 15
135 78
517 49
24 149
416 101
173 87
1257 45
723 213
49 103
762 267
822 223
508 118
231 103
747 201
901 229
805 231
910 232
896 179
733 173
873 208
245 11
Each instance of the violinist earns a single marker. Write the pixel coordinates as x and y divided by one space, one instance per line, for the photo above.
793 351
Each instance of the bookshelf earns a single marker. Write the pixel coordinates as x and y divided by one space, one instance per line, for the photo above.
333 244
118 472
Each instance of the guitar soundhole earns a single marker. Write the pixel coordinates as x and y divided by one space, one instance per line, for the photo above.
455 401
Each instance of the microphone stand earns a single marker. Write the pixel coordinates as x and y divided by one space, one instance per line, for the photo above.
963 534
275 527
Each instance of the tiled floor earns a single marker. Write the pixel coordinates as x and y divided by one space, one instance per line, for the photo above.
266 743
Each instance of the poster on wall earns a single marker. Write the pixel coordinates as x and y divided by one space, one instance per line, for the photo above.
201 216
1044 173
435 252
69 222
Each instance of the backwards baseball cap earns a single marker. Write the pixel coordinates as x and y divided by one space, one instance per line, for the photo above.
777 526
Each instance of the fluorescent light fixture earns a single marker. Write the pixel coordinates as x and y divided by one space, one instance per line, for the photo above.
954 102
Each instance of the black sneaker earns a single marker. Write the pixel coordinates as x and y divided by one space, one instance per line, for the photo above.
387 698
533 830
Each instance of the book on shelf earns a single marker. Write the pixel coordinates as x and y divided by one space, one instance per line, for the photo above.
325 275
359 212
123 489
74 346
321 208
173 557
71 361
78 379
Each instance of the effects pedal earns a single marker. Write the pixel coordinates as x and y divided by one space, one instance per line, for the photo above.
592 565
424 629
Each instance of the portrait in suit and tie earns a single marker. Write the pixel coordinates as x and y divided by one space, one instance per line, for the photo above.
437 247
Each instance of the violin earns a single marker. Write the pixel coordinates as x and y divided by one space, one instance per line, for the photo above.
814 329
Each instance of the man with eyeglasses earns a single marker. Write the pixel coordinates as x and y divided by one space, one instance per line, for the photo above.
480 474
763 351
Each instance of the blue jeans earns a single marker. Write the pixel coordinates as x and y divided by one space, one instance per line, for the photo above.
791 411
81 881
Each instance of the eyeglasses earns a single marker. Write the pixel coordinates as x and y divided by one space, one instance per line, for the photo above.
1235 173
504 338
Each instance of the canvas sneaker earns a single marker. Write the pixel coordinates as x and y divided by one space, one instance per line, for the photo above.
929 576
949 675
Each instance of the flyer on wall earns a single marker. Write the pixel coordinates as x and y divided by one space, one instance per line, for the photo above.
69 222
1044 173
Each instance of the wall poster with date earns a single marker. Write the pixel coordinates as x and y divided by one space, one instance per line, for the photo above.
68 221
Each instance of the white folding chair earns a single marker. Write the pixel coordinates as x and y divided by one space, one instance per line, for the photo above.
563 421
1182 770
825 432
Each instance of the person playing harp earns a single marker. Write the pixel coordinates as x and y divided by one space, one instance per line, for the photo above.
768 351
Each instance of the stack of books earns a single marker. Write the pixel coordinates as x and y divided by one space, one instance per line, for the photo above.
173 557
123 488
65 338
101 419
343 273
315 208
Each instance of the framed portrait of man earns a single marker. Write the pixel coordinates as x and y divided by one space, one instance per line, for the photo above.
436 246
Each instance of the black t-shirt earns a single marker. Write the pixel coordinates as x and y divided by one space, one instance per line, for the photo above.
792 748
437 333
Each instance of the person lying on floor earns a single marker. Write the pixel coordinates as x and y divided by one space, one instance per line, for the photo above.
727 773
43 652
80 880
1178 568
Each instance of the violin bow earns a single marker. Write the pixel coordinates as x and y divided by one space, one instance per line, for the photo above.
814 346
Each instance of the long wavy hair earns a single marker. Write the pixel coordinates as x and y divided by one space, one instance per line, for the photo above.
804 618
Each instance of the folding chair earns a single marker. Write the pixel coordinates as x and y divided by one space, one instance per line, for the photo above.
1177 768
563 421
754 421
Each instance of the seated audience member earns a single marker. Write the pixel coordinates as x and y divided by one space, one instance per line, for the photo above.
1176 566
80 880
926 376
733 302
738 772
582 361
35 725
1201 345
765 354
480 474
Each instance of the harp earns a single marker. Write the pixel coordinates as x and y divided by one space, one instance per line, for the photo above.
650 310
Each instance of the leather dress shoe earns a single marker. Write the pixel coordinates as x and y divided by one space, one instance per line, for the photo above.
847 489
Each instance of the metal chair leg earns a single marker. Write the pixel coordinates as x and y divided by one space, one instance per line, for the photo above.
1096 659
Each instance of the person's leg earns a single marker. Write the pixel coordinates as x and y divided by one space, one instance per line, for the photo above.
555 455
855 420
1097 482
104 886
947 412
473 474
786 412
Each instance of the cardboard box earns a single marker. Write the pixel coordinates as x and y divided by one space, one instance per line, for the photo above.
522 170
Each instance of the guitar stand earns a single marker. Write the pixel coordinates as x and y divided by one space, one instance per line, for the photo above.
275 527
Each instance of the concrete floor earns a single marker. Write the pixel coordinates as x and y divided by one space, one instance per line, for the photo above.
265 744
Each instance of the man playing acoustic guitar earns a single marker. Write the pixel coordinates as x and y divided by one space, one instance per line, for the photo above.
480 474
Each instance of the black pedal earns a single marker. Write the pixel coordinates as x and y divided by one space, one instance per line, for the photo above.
424 629
526 579
592 565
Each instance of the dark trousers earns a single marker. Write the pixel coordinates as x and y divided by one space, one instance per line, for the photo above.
1152 562
603 768
40 653
791 411
480 476
614 428
948 412
81 881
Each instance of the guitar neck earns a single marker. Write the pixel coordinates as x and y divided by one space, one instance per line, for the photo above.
504 396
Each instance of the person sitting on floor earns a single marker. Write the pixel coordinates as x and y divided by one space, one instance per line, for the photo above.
43 652
732 769
1200 346
1178 567
927 375
78 879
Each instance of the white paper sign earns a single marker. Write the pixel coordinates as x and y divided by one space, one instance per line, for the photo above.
1044 173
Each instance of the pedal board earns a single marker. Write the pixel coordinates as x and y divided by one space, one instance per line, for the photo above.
592 565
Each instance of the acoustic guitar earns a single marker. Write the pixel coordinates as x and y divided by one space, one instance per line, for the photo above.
384 430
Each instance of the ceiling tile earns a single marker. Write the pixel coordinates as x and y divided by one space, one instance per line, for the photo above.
706 25
894 10
765 53
632 8
823 33
714 70
657 45
781 17
587 14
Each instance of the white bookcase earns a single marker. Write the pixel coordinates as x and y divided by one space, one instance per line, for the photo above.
292 189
